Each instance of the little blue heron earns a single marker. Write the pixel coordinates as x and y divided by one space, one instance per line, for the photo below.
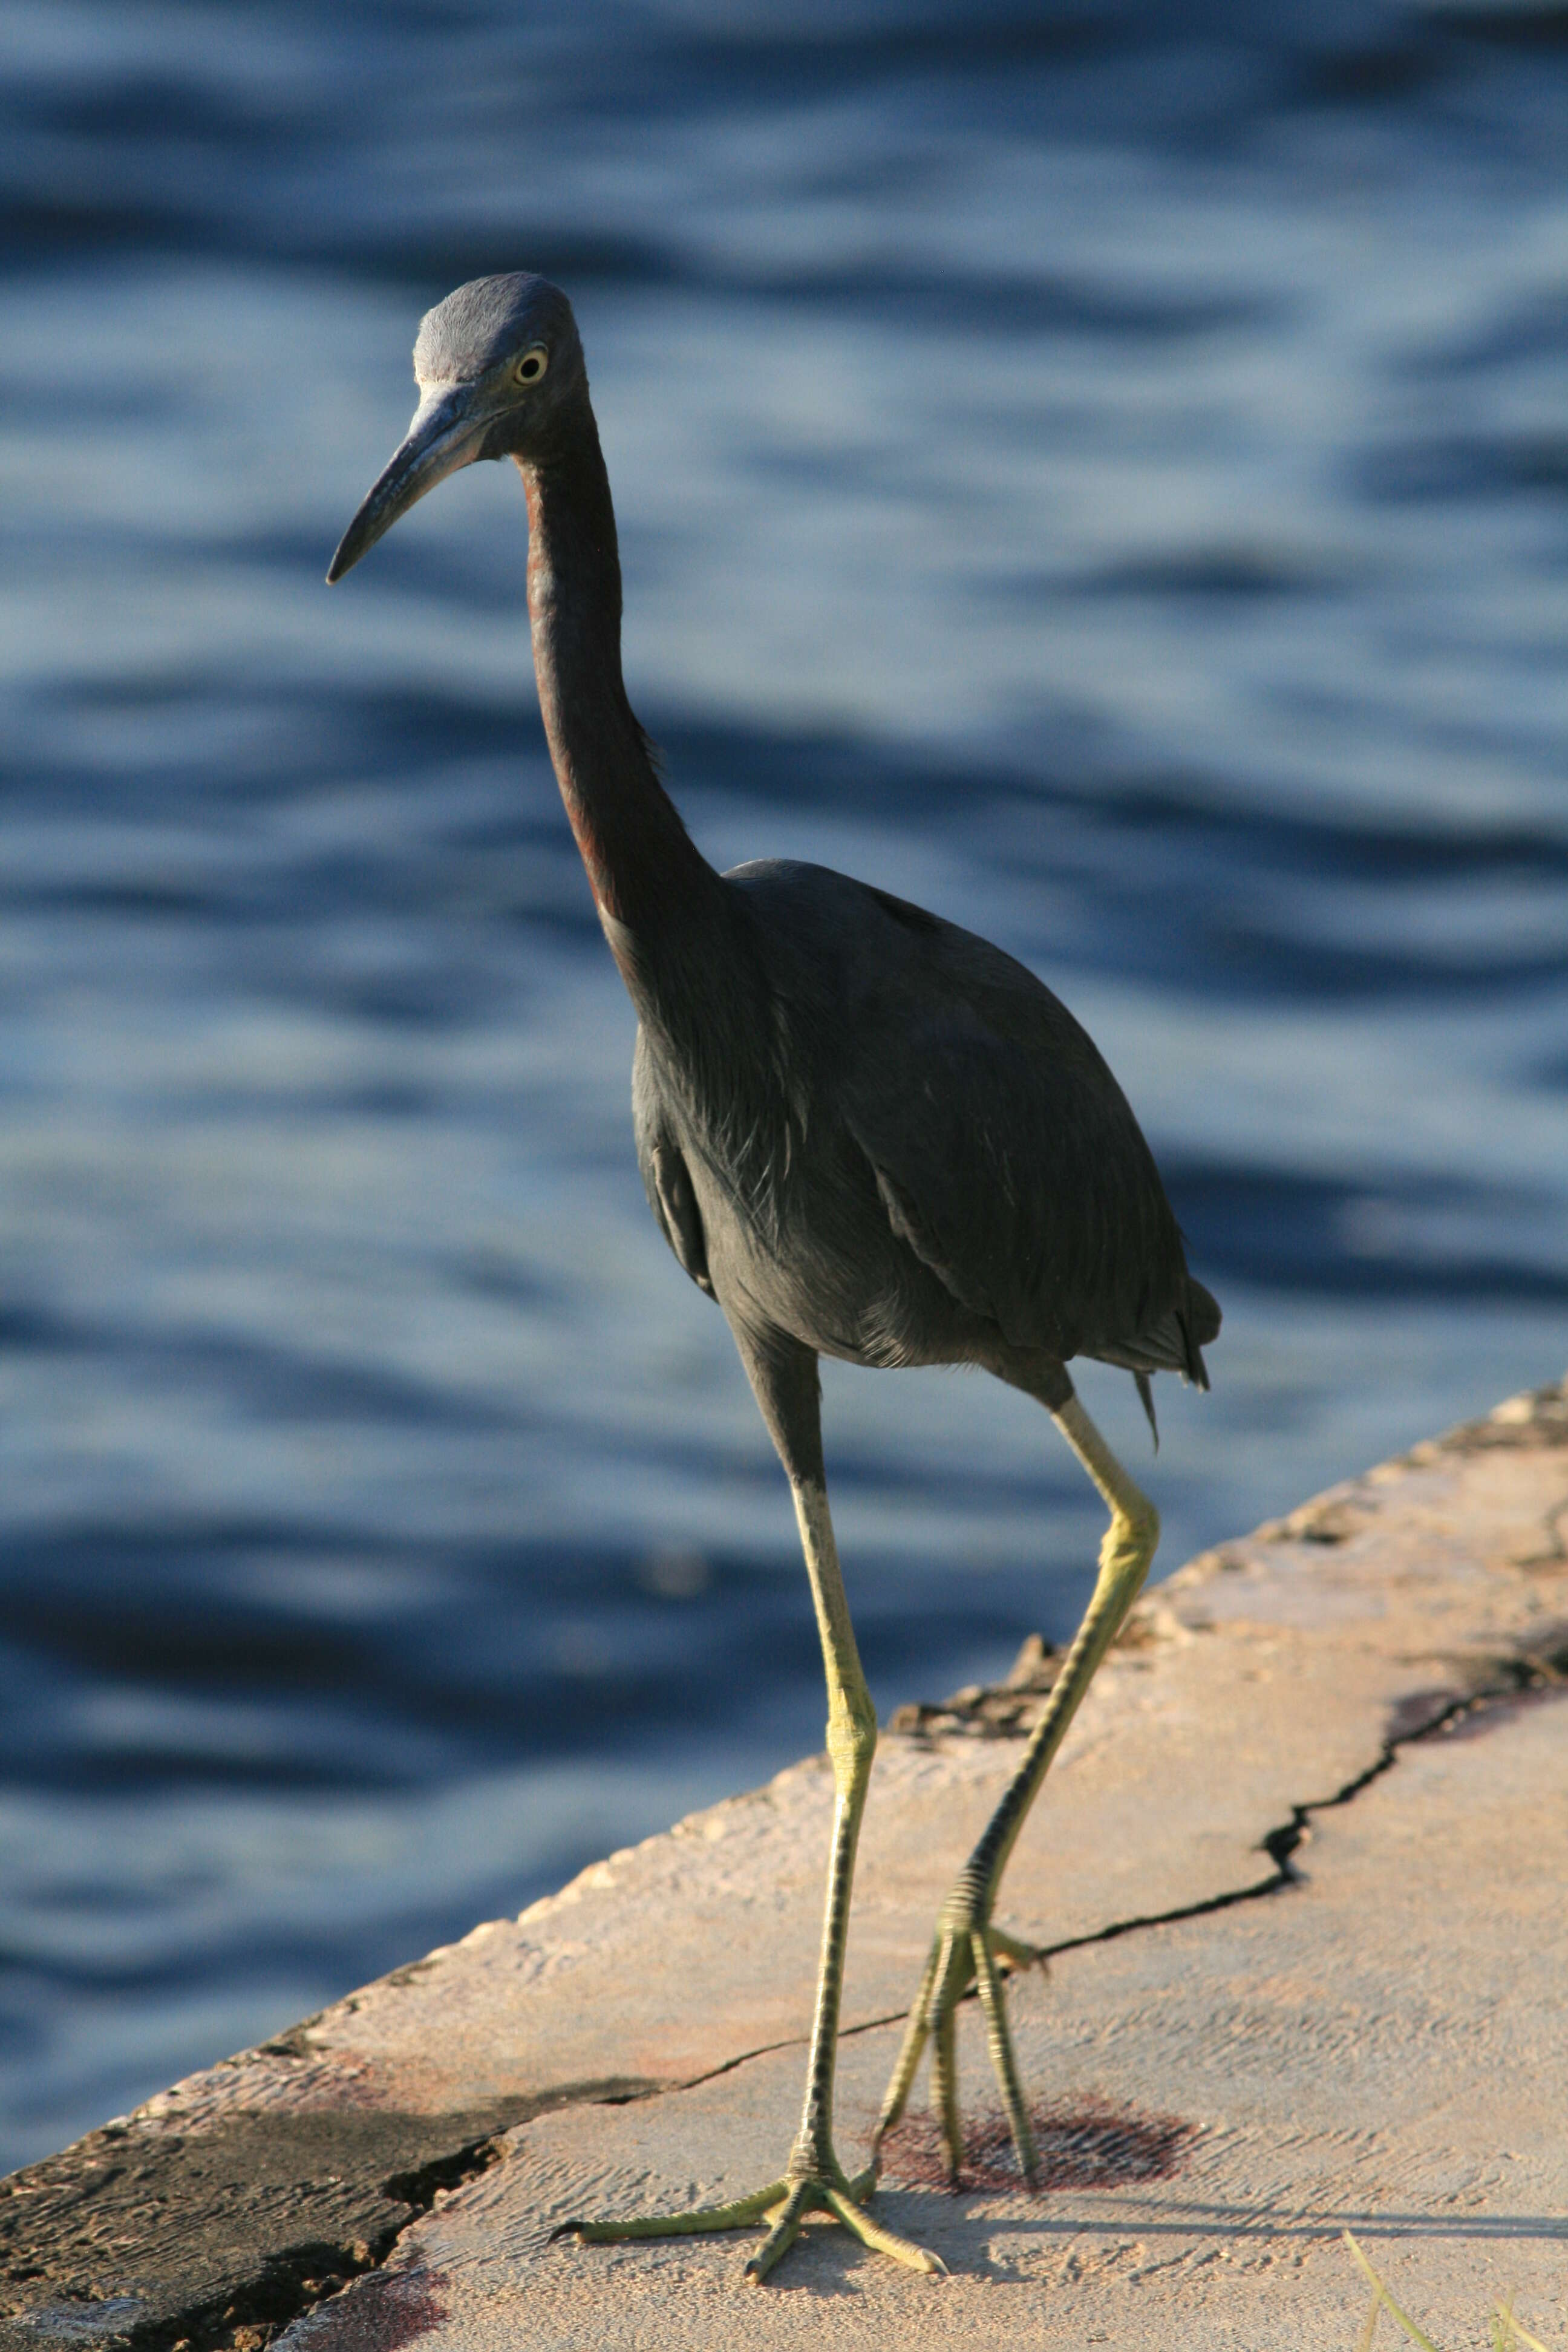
864 1132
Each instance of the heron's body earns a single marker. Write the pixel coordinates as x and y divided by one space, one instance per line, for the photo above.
865 1132
929 1163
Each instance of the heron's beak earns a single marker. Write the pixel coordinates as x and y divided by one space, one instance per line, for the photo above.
447 431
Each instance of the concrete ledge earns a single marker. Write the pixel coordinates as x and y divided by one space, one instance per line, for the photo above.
1359 1710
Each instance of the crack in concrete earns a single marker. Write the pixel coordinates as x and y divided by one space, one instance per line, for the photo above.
301 2279
1517 1676
293 2281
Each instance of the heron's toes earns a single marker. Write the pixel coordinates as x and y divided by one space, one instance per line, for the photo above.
1012 1955
785 2205
739 2215
966 1953
1004 2065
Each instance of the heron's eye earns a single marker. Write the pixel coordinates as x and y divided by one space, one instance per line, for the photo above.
532 365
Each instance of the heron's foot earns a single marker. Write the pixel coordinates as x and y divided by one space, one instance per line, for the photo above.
784 2205
968 1952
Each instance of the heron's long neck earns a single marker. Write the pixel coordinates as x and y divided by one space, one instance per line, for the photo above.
656 893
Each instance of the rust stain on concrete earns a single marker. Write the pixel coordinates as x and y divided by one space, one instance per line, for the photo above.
1086 2142
380 2312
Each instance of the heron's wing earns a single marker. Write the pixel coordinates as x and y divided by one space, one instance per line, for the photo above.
1004 1153
1008 1161
666 1177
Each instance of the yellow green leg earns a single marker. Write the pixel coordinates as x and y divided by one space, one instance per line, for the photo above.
812 2181
967 1946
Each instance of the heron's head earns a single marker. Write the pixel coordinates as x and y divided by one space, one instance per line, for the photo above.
497 364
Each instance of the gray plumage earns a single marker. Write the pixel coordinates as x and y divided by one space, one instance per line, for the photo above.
927 1162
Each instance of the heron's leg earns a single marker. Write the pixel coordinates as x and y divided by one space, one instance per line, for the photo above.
785 1377
967 1945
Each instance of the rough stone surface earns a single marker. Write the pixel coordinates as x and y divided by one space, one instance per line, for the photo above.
1226 2077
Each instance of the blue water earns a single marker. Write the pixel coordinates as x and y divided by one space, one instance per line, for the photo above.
1101 471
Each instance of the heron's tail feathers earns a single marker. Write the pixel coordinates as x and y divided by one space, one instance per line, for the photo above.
1171 1342
1200 1324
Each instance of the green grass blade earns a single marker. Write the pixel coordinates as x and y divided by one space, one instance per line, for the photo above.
1518 2335
1415 2333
